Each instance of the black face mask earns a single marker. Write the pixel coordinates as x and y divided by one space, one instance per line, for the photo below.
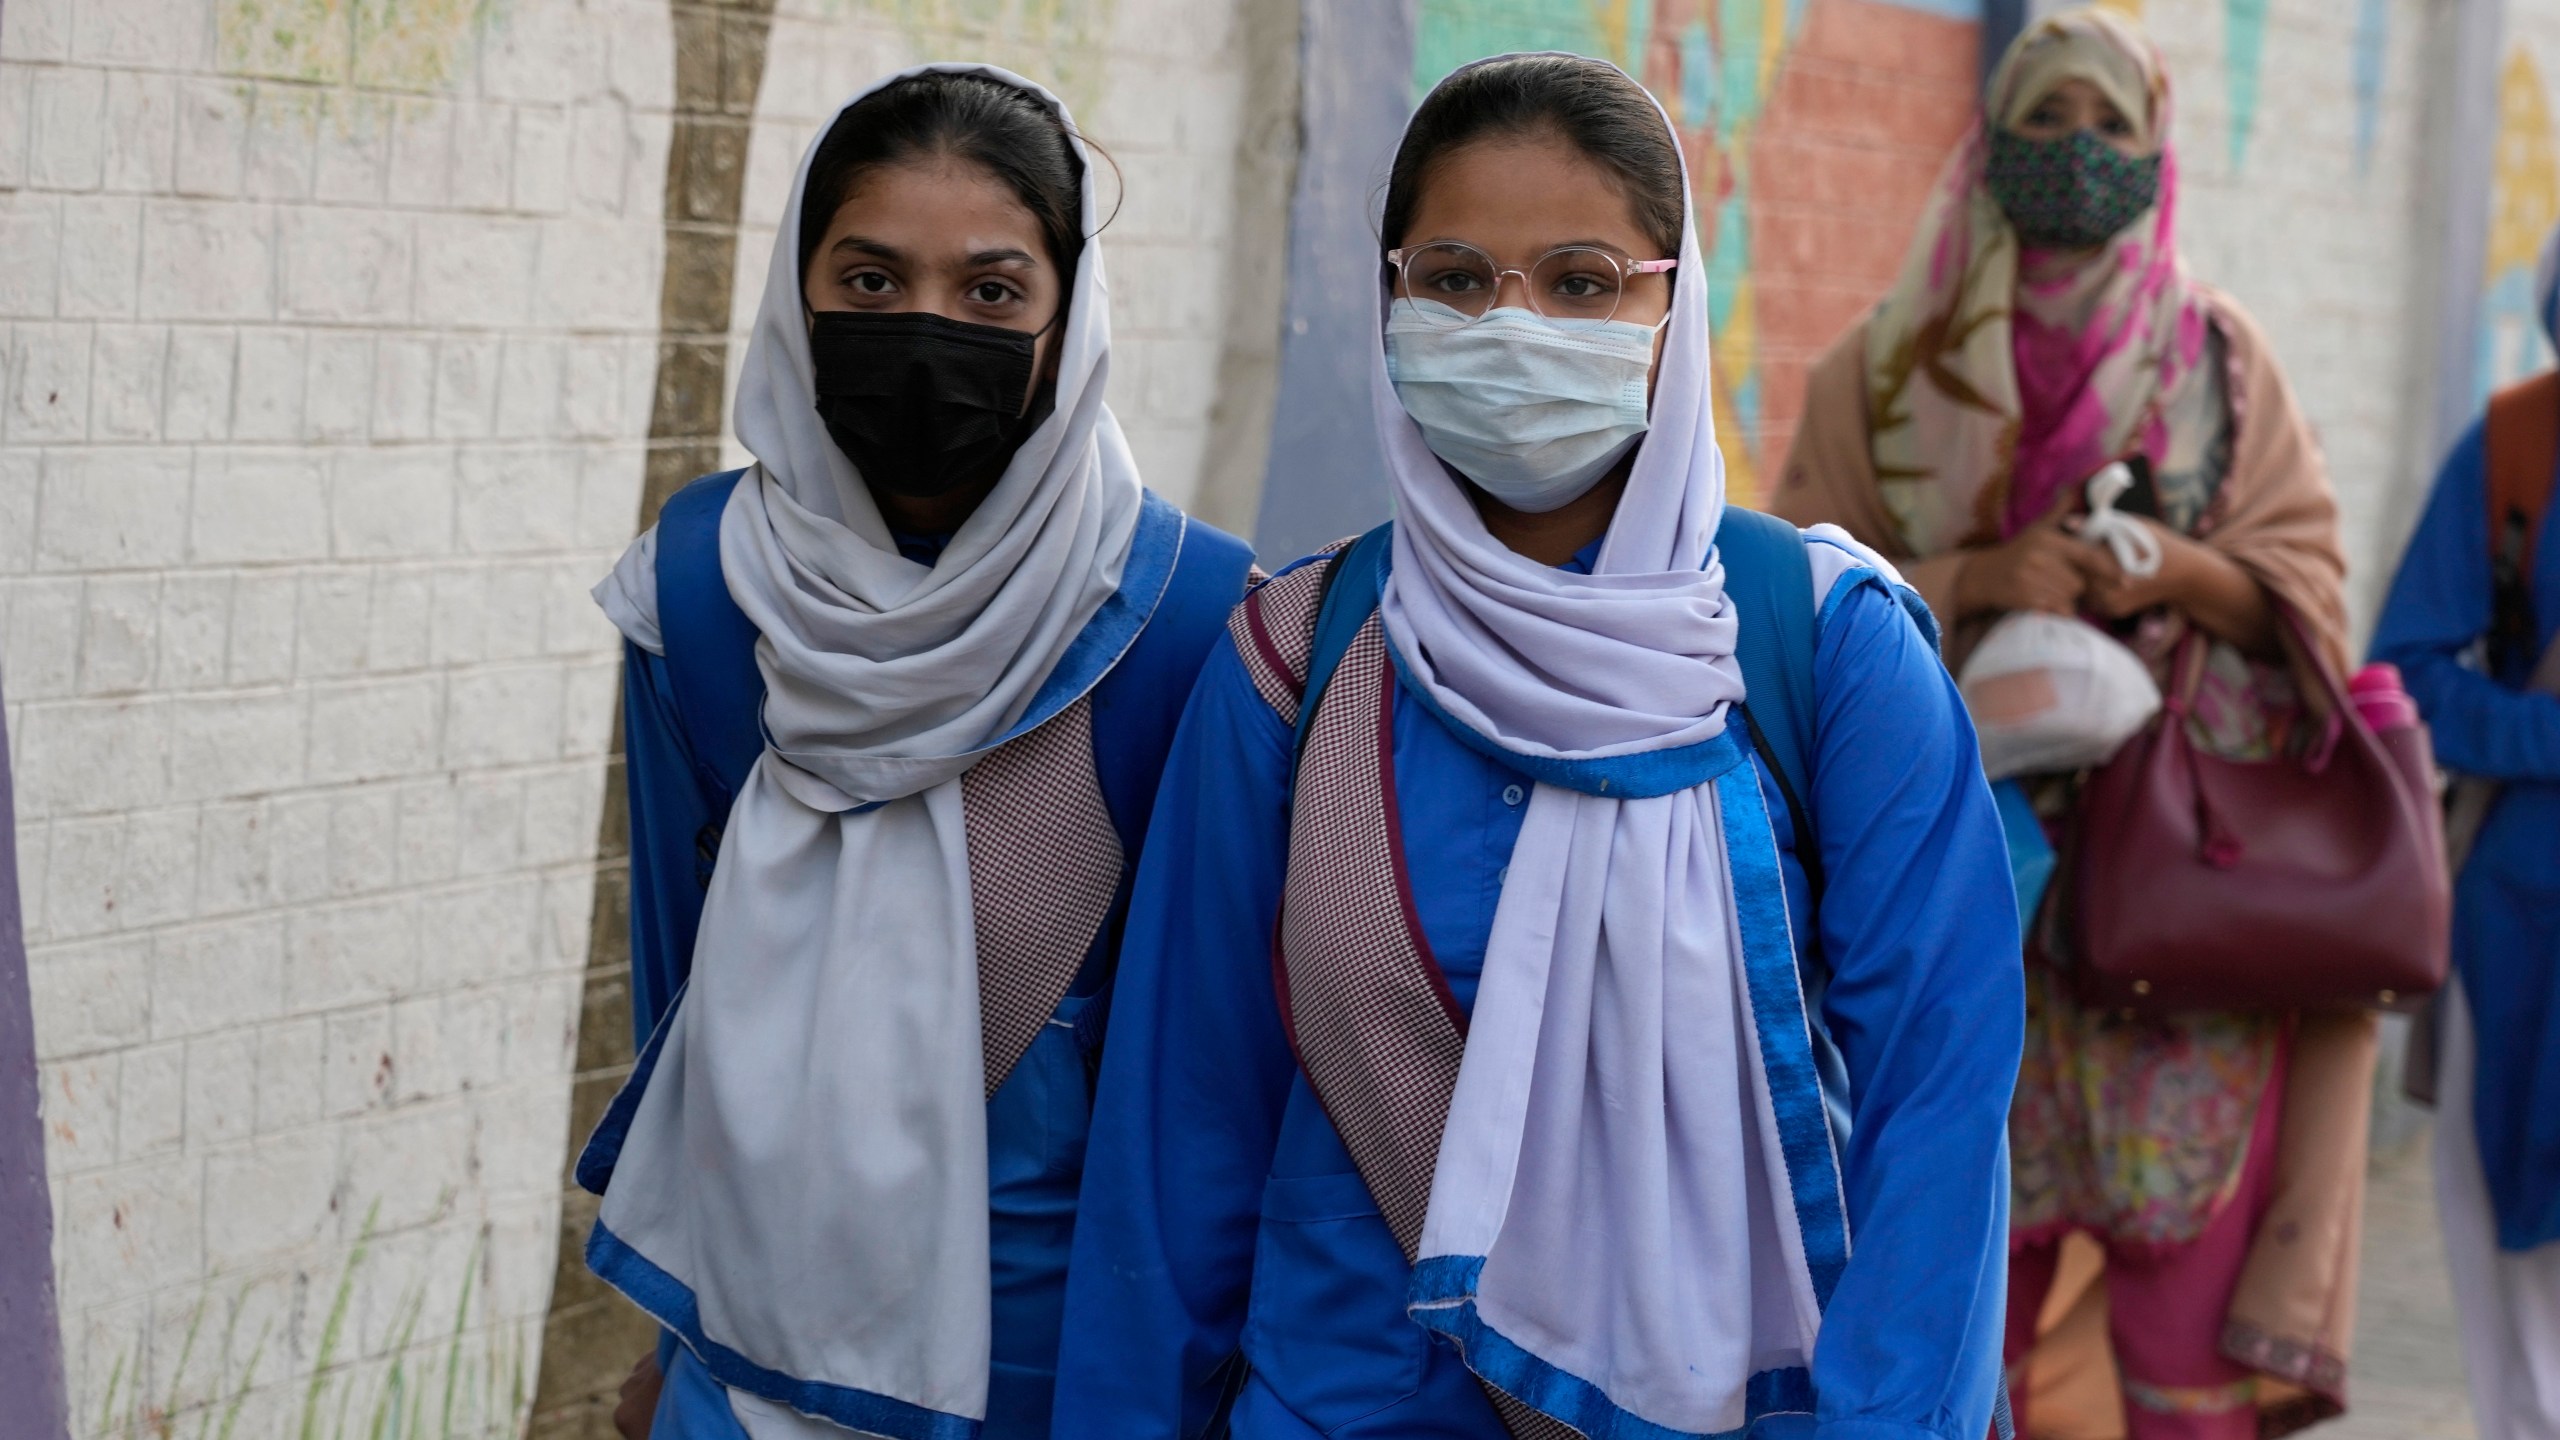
921 405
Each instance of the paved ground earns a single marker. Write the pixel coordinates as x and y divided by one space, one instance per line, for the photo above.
2408 1376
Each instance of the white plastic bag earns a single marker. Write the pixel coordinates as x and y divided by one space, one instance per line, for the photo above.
2049 693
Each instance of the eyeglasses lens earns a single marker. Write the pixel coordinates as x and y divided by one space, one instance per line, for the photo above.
1453 284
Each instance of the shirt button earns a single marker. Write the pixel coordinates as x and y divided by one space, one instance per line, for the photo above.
1513 794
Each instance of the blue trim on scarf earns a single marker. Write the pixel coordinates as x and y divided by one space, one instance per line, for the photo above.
1442 1299
672 1302
1116 626
1786 1041
1620 777
603 1149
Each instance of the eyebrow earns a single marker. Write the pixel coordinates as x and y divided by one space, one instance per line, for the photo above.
1609 245
864 245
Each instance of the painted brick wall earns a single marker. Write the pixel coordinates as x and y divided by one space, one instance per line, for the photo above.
329 343
2525 195
334 357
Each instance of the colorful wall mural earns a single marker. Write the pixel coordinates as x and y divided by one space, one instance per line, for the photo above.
1815 130
2524 205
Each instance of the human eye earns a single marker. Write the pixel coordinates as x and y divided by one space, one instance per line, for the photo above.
2114 126
991 292
870 283
1583 285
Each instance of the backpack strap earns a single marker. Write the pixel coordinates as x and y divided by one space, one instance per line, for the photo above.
1293 630
2523 446
1354 581
1770 582
710 643
1047 852
1274 629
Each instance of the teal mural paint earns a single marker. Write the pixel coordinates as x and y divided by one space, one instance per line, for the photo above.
2372 42
2244 42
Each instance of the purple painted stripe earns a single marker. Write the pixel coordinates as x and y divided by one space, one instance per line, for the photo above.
1326 476
30 1335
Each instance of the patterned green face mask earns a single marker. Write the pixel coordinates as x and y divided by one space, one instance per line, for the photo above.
2072 193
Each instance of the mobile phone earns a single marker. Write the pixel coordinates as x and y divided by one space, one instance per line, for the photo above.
2144 498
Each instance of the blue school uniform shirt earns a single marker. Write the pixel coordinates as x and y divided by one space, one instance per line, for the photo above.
1036 1120
1227 1244
2506 904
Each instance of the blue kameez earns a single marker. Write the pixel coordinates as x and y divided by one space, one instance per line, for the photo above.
2506 909
1227 1244
1036 1120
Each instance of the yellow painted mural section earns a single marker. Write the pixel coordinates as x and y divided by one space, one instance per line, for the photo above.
2524 206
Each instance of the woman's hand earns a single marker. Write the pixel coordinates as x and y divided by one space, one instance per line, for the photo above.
2195 579
637 1405
2044 567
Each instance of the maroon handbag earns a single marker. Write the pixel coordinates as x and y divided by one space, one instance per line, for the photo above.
2290 884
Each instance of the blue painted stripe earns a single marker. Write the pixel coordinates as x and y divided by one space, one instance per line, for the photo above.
672 1302
1442 1299
1786 1042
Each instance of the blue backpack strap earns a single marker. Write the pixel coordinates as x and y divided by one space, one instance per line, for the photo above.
710 642
1137 704
1770 582
1353 581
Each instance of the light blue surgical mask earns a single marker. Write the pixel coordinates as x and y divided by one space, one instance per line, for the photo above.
1533 410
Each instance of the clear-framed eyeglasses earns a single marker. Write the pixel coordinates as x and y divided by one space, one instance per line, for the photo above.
1450 284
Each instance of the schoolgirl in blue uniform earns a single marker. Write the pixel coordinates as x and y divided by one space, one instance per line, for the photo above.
1516 1034
897 698
2473 622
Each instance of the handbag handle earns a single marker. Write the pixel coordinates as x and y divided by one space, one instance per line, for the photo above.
2217 844
2342 710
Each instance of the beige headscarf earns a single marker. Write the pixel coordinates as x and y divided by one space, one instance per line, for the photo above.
2105 340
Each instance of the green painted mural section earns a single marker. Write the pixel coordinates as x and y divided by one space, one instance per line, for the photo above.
2244 31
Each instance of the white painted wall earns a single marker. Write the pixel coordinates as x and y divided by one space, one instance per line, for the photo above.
2316 237
327 339
329 344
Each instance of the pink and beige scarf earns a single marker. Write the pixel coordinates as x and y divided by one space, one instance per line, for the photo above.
1998 375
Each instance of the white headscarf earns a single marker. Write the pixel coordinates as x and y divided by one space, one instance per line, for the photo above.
1611 1223
808 1162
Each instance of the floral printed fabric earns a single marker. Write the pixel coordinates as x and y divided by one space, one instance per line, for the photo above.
2138 1128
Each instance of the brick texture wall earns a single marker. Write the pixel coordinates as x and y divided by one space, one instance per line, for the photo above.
2309 215
330 336
342 344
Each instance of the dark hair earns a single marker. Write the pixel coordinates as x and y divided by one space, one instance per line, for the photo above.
1005 130
1589 104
